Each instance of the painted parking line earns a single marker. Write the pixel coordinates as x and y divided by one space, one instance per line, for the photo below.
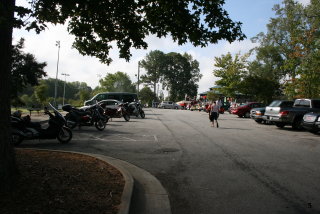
119 137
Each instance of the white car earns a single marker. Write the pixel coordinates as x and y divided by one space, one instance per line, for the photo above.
169 104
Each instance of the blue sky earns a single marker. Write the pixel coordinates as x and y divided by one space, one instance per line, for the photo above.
254 14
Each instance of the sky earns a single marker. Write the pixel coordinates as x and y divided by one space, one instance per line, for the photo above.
254 14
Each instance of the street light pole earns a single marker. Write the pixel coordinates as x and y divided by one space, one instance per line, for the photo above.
55 85
64 86
138 77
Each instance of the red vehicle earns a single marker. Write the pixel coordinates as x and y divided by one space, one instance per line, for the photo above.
244 110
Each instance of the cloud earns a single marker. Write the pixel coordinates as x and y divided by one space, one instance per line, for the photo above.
304 2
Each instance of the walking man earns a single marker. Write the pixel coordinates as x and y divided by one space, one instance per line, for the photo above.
214 111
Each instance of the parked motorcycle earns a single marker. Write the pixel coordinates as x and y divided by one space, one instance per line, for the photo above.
92 115
24 129
135 108
118 112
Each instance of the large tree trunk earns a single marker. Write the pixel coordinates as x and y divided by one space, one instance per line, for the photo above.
8 167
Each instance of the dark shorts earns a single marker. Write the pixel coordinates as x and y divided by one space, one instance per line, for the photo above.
213 116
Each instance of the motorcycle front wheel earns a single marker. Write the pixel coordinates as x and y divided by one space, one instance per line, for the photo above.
100 125
16 139
64 135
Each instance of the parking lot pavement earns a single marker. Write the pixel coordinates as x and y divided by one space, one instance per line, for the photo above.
241 167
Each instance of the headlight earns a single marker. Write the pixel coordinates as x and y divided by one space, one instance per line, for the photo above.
318 118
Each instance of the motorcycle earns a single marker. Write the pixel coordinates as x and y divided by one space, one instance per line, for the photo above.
92 115
135 108
24 129
118 112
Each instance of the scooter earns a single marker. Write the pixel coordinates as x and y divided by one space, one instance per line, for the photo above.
92 115
24 129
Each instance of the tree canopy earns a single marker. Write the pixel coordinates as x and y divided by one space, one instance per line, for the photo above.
117 82
25 70
95 24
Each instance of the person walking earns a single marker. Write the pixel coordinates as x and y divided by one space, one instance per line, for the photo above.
214 111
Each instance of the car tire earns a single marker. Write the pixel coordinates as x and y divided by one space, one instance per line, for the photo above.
247 115
259 120
297 124
280 125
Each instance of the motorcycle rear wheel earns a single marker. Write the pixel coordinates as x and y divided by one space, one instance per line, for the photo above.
16 139
100 125
64 135
142 114
126 117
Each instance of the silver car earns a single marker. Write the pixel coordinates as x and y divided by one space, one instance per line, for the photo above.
169 104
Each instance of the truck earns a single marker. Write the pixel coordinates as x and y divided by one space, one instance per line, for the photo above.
292 116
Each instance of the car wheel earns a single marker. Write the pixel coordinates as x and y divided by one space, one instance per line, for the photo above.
280 125
297 124
258 120
247 115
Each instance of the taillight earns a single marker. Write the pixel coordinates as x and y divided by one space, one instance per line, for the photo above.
283 113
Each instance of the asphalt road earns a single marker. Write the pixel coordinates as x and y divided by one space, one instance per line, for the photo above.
240 167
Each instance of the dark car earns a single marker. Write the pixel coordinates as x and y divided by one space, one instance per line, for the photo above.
244 110
311 122
257 114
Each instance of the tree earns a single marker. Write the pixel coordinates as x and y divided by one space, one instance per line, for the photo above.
25 70
294 34
146 95
40 93
181 76
96 24
231 71
154 64
117 82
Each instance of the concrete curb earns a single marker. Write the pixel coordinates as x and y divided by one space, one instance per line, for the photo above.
149 196
129 182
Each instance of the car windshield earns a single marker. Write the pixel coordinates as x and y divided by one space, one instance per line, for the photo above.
275 103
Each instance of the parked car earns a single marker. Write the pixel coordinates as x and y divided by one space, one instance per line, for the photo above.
169 104
272 111
311 122
294 116
244 110
122 96
257 114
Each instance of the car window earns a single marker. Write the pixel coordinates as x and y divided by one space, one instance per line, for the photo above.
275 103
170 103
316 103
286 104
114 96
99 97
305 103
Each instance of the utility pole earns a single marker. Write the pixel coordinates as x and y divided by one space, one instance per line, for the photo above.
56 83
64 86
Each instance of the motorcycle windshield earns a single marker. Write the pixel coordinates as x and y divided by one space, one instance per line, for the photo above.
56 112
